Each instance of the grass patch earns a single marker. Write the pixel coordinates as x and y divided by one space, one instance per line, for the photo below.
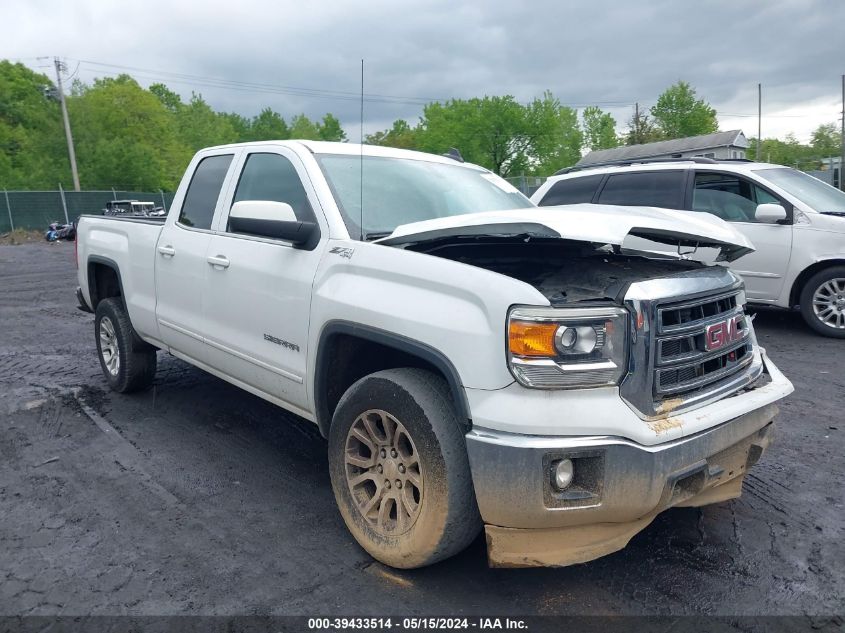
21 236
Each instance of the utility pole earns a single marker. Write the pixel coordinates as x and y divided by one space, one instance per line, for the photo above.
637 137
60 67
842 156
759 121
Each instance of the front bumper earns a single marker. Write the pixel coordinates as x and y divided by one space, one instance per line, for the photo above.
618 487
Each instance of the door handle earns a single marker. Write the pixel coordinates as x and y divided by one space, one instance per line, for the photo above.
218 261
167 251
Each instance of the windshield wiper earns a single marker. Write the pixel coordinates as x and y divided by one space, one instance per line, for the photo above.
368 237
837 213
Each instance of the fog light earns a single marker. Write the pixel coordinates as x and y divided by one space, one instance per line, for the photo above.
563 473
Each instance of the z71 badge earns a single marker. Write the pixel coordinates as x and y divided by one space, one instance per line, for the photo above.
342 251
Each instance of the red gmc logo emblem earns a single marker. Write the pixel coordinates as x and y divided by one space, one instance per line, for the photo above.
719 335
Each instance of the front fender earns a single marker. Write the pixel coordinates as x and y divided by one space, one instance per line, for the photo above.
455 309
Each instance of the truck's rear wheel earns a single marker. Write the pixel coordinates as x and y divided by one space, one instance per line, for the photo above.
823 302
399 469
128 363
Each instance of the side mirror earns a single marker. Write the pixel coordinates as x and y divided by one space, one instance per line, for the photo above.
770 213
276 220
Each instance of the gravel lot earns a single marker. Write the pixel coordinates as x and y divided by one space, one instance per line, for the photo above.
198 498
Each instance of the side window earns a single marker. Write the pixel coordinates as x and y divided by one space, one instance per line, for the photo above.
273 177
203 192
764 197
645 188
726 196
572 190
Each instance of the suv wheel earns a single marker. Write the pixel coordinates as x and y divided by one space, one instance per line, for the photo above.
823 302
399 469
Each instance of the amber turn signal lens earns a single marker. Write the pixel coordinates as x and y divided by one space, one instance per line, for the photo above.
532 339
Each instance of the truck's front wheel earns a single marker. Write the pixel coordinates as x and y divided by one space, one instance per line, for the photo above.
399 469
128 363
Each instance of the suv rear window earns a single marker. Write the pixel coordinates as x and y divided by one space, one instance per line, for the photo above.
645 188
572 190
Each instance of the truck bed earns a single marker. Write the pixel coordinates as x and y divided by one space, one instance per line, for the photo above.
128 244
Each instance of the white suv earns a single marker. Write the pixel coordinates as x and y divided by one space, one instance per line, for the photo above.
796 222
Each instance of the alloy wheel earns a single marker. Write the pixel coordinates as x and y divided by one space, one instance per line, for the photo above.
829 303
383 472
108 346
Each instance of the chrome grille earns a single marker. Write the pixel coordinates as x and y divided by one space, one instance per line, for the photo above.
683 364
690 315
673 366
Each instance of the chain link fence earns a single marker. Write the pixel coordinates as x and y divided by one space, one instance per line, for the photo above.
526 184
37 209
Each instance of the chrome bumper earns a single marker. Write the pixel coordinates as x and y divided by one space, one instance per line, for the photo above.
616 480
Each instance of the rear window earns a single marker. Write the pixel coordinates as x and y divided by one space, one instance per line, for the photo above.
572 191
203 192
645 188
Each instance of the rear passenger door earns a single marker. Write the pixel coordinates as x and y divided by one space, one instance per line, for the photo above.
180 258
258 302
734 198
648 188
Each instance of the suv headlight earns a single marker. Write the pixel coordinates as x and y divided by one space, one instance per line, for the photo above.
567 348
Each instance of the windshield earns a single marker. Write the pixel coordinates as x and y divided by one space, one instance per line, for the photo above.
816 194
402 190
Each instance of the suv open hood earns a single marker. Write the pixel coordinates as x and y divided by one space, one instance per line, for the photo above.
594 223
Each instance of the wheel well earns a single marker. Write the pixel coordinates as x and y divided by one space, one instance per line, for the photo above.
103 282
798 284
344 357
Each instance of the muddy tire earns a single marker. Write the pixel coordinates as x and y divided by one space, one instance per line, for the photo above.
128 363
823 302
399 469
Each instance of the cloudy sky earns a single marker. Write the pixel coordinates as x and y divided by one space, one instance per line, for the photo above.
305 56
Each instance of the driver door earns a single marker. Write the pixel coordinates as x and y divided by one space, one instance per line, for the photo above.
734 198
258 290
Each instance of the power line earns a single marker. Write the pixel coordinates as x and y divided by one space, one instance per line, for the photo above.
295 90
244 86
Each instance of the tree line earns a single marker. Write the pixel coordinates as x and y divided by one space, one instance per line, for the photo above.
130 137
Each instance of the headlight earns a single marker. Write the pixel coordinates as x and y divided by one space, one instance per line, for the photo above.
560 348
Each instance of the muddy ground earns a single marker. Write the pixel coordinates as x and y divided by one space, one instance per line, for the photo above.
198 498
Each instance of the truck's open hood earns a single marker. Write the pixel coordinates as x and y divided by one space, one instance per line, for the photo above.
594 223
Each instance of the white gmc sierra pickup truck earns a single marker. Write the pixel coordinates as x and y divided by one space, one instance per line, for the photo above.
473 360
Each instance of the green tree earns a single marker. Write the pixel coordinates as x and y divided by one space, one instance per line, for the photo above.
269 126
199 126
490 131
599 129
240 124
826 141
330 130
301 127
555 137
680 113
503 135
32 143
169 99
400 135
787 151
641 129
125 137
